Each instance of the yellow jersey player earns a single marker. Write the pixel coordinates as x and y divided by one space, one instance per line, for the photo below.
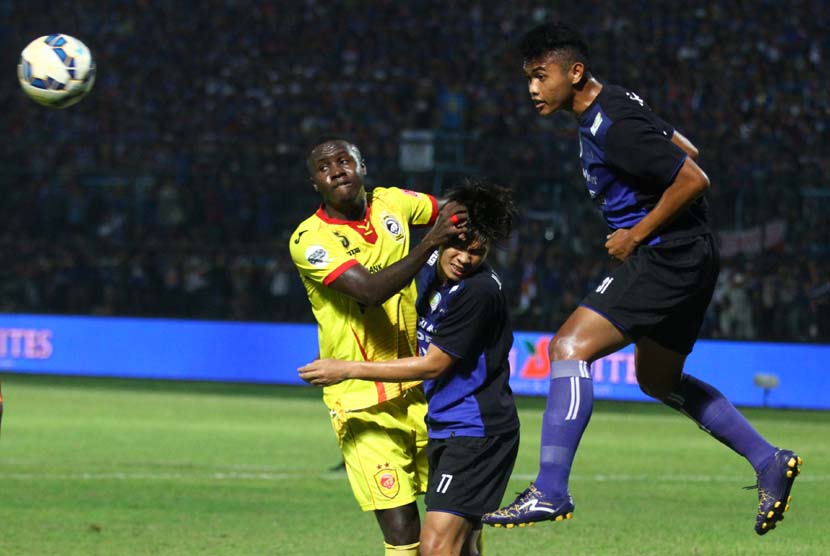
354 259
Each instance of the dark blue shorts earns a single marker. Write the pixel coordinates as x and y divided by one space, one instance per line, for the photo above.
661 291
468 475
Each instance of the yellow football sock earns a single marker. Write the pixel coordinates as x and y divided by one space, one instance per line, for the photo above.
403 550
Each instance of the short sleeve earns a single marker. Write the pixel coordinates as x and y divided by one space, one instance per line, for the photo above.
463 331
642 149
422 208
318 257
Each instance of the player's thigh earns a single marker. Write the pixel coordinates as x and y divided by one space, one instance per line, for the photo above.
679 330
658 291
444 533
658 368
384 462
416 409
587 335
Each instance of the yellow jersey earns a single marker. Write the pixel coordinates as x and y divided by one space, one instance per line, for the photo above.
322 249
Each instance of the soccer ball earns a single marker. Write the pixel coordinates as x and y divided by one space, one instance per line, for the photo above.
56 70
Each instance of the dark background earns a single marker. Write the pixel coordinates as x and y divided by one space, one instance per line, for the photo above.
172 188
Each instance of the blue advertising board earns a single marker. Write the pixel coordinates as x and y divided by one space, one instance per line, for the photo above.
156 348
271 353
733 367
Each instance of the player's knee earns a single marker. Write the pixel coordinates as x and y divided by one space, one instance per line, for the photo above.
433 544
657 390
648 390
562 348
402 534
401 526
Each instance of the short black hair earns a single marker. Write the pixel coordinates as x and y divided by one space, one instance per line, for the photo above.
490 209
328 138
555 37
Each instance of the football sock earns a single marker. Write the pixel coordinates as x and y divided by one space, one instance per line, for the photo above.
717 416
568 410
401 550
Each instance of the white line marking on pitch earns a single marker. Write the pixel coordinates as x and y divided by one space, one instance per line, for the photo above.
234 476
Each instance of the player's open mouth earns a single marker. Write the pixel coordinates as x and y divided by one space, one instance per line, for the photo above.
458 271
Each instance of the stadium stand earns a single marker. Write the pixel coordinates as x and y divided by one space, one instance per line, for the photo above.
171 189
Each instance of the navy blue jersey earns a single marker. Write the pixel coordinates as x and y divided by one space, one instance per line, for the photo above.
468 320
628 161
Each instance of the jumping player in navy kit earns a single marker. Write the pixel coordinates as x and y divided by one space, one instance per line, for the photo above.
642 175
464 339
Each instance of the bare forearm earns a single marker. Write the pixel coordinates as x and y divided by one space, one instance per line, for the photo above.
373 289
399 370
385 283
690 184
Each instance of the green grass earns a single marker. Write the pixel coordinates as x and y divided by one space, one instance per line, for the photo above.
119 467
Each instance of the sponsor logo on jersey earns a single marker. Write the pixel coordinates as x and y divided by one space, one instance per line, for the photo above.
317 255
634 97
344 241
604 285
590 180
299 235
426 326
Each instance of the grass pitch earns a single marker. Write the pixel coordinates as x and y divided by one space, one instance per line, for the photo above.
120 467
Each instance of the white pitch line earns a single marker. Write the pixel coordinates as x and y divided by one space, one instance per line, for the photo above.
234 476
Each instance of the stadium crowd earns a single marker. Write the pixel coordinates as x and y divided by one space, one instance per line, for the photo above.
171 189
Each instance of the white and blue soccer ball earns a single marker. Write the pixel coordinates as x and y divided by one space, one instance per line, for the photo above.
56 70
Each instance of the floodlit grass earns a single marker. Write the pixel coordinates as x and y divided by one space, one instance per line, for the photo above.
119 467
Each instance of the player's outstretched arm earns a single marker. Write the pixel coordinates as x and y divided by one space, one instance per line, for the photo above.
373 289
325 372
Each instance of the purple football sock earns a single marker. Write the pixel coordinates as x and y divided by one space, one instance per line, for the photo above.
570 402
717 416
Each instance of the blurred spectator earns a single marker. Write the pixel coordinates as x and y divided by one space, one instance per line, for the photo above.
171 188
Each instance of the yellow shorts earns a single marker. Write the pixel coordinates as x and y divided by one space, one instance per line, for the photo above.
384 447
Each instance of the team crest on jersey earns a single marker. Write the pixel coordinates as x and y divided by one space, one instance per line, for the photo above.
317 256
391 224
434 300
386 478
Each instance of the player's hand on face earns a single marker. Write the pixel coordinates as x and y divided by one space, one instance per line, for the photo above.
452 221
323 372
620 244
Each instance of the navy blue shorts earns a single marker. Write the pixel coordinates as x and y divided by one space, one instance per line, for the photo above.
468 475
661 291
